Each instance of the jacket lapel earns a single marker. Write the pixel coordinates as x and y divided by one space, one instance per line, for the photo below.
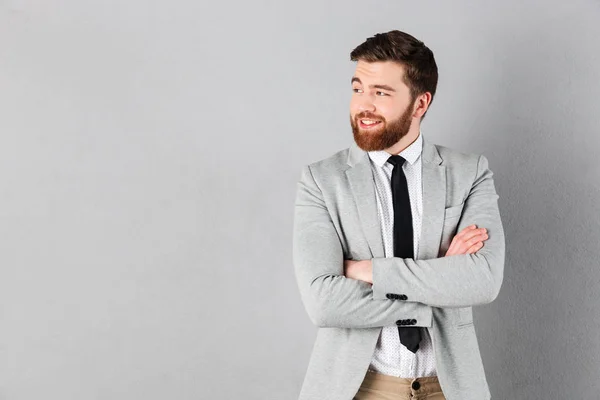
362 186
434 202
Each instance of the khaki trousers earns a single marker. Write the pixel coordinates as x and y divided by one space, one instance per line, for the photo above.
385 387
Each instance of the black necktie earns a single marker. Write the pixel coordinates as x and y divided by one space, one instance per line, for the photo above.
403 238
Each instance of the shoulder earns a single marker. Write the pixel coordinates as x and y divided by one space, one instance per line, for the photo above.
332 166
334 163
462 161
463 166
328 173
452 157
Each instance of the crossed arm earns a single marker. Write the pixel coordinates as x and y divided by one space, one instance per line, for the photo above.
335 300
461 280
330 298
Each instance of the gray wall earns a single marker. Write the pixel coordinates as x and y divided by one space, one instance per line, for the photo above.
149 154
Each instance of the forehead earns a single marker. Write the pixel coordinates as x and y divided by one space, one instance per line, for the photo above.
380 72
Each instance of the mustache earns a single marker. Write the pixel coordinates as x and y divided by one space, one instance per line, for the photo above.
367 115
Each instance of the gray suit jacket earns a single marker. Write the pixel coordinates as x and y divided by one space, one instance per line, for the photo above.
336 219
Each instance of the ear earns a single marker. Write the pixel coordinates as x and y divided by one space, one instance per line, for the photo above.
421 104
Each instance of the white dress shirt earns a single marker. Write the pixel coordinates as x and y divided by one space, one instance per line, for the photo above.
390 356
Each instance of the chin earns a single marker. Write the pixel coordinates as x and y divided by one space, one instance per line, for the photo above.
369 145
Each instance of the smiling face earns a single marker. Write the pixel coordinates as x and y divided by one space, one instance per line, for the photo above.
383 114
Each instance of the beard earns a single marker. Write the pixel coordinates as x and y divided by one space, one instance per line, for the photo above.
384 136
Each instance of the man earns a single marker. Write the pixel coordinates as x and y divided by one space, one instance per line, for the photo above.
380 268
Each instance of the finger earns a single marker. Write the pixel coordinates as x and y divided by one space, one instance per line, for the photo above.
474 233
466 245
458 241
466 230
461 245
475 247
476 239
453 244
470 233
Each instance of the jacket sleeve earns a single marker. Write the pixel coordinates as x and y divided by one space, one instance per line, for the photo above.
455 281
331 299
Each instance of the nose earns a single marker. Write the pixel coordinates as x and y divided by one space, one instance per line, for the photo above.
366 103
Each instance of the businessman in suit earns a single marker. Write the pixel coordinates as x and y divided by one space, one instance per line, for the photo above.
388 243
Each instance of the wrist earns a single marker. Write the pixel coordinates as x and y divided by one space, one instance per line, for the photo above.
369 271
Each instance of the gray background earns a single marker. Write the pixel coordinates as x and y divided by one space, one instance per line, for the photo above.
149 154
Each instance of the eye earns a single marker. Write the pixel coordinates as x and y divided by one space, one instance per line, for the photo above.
356 90
381 94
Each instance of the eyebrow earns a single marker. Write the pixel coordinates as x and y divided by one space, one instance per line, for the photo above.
384 87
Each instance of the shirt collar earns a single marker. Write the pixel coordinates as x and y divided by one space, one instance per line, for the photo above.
410 154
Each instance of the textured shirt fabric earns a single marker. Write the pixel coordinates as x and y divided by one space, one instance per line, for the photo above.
390 356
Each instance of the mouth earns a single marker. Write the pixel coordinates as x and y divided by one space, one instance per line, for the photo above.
366 123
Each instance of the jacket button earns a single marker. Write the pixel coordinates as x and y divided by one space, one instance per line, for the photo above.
416 385
400 322
389 296
403 297
413 321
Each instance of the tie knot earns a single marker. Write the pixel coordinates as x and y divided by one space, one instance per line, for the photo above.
396 160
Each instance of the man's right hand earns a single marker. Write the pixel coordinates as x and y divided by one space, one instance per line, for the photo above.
467 241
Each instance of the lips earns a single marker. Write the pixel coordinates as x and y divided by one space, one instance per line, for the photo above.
366 123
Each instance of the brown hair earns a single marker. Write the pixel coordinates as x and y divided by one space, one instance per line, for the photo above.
421 70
